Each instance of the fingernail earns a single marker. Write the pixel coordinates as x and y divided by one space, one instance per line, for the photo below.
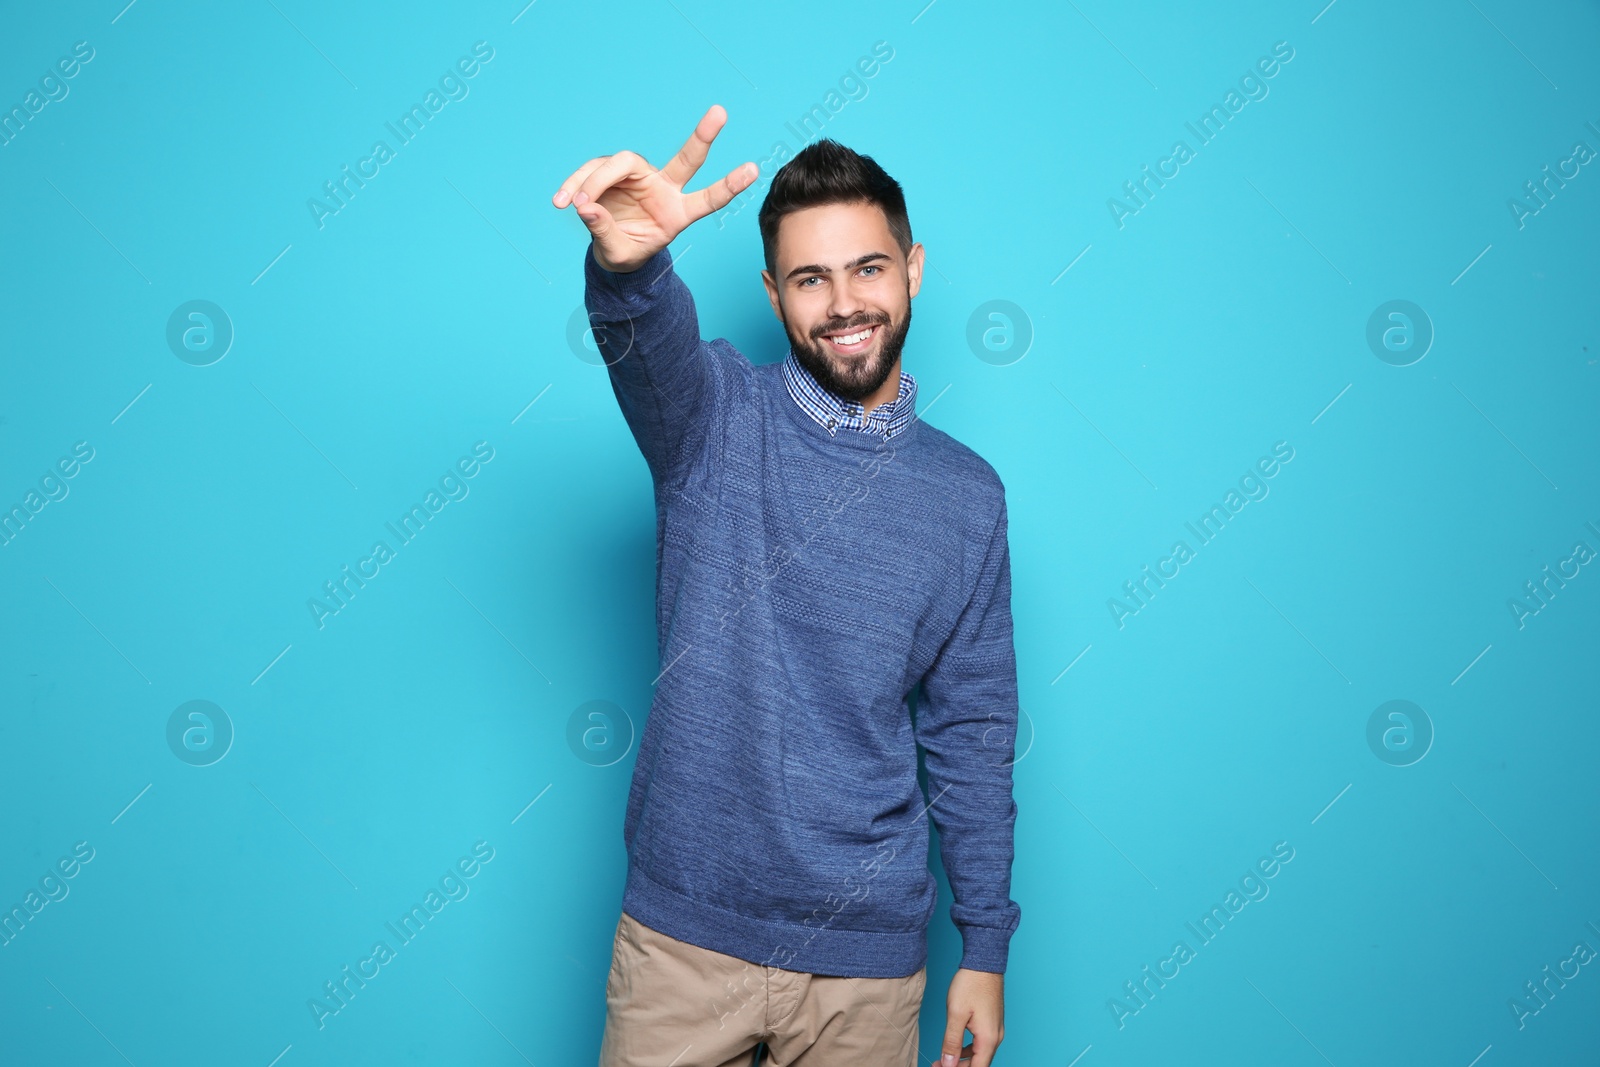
947 1060
581 198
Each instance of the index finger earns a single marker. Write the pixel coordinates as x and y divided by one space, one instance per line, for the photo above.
569 187
682 166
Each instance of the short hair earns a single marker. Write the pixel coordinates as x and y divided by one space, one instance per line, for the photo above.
826 172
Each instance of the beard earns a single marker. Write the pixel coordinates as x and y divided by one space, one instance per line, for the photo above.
853 377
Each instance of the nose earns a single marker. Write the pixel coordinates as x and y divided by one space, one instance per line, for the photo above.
845 303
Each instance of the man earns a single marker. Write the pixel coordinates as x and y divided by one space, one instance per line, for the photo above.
821 554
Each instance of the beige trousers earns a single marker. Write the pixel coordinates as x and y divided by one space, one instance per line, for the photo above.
673 1004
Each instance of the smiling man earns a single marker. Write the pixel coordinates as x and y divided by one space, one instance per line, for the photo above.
846 322
833 592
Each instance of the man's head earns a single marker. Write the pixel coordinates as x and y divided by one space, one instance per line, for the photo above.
840 260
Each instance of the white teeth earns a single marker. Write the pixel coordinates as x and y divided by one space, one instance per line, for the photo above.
850 339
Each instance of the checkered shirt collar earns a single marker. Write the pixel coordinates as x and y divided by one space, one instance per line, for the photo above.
834 413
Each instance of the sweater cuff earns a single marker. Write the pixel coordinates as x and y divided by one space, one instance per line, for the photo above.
622 295
985 948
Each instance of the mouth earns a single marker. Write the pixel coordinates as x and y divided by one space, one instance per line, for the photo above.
855 340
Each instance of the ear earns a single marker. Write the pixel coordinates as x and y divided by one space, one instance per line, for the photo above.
914 268
772 294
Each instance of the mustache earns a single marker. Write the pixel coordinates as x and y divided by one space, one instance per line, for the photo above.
839 327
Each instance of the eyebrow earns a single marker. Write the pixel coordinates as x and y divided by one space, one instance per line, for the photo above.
817 268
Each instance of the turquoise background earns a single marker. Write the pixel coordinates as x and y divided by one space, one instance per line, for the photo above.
445 703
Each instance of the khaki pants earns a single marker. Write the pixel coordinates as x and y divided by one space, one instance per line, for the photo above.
672 1004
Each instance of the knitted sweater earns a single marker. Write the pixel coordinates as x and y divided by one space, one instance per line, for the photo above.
813 589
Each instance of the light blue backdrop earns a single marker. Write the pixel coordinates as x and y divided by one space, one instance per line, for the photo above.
1436 467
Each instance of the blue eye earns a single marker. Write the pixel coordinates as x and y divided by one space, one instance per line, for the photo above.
805 283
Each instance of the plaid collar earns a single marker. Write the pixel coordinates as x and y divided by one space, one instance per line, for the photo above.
833 413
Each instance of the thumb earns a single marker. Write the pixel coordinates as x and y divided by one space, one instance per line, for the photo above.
613 249
950 1051
598 219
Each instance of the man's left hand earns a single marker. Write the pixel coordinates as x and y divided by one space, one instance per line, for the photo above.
976 1002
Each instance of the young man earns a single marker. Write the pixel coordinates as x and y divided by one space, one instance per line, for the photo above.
821 554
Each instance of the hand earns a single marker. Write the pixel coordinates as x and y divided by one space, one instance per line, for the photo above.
634 210
976 1002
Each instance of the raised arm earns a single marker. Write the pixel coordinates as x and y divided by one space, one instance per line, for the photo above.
641 311
662 373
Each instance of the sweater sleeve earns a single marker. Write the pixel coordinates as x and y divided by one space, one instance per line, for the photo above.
966 724
663 374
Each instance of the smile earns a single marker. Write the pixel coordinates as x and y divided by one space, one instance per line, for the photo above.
853 342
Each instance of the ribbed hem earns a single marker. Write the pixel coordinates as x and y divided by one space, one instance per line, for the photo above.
813 950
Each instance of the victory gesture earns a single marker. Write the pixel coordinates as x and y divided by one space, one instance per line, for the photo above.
634 210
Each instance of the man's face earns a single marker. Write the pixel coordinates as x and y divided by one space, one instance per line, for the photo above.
840 273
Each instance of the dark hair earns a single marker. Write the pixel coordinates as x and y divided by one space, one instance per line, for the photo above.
826 172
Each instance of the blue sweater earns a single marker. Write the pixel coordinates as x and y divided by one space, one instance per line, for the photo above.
808 583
